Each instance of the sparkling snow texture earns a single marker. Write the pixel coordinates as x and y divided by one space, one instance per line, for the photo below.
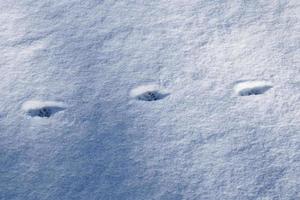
201 141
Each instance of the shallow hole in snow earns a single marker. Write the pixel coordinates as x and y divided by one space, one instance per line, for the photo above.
147 93
43 109
248 88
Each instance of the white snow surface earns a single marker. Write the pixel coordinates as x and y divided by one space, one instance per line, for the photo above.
36 104
42 108
200 142
149 92
140 90
248 88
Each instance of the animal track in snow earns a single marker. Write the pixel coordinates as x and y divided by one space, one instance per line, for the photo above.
147 93
248 88
42 108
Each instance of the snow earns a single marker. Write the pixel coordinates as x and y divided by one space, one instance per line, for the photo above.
248 88
140 90
148 92
42 108
202 140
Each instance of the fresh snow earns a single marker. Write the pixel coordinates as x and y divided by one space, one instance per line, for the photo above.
36 108
248 88
200 140
147 93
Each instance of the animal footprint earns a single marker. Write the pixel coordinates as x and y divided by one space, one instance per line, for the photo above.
42 108
248 88
147 93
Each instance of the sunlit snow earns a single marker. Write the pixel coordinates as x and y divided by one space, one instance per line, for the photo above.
150 100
